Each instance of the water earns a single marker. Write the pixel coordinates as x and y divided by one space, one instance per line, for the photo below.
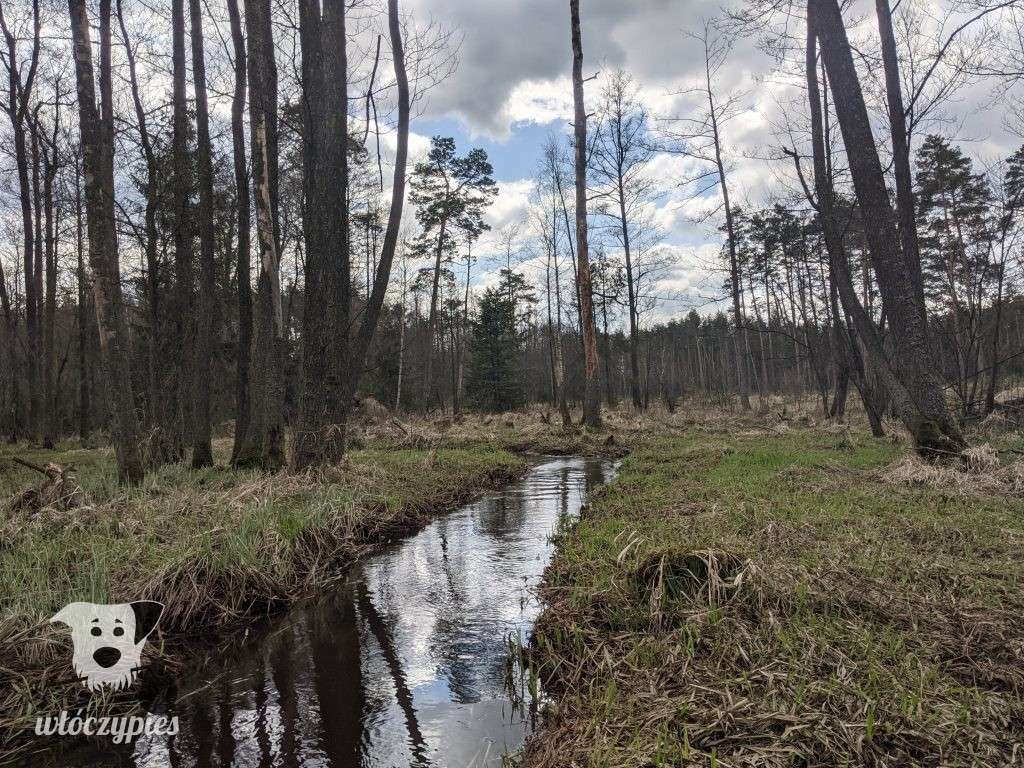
405 664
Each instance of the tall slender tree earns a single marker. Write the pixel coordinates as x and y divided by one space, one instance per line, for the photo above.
97 132
202 446
263 443
592 387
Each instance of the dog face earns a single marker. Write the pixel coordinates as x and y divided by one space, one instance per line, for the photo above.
108 640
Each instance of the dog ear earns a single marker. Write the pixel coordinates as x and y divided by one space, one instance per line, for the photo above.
147 614
71 614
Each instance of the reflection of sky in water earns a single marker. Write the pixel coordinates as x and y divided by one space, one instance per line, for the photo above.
403 665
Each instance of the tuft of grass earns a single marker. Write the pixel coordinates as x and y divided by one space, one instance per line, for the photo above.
216 546
765 596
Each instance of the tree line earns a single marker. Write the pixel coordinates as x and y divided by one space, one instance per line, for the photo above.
170 264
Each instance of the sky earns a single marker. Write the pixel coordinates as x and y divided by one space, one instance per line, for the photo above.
511 89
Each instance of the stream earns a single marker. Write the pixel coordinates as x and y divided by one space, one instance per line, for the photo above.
406 663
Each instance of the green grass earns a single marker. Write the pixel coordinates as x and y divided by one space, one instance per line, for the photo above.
215 546
765 598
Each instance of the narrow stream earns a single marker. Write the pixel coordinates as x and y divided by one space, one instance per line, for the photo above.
405 664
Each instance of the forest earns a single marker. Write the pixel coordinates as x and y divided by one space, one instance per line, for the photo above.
285 281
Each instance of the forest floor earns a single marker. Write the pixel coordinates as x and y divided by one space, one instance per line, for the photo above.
218 547
756 588
783 593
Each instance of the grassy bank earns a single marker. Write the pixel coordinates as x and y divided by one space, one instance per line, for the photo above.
784 596
215 546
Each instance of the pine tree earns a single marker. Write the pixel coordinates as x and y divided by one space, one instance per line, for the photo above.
494 380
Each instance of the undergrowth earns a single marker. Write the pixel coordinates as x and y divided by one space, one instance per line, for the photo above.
787 595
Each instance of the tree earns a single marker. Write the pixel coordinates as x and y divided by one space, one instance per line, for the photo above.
622 152
320 434
202 448
97 134
494 379
243 202
263 443
448 191
182 214
700 137
923 409
18 101
956 249
592 388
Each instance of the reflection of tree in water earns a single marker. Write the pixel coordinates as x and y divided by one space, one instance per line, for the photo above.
337 678
282 657
382 631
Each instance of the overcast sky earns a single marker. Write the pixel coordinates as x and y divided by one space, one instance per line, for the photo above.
512 88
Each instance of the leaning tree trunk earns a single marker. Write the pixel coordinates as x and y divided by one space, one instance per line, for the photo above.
263 444
924 410
371 314
202 447
592 387
243 270
97 133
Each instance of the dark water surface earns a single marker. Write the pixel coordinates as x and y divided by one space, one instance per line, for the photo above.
405 664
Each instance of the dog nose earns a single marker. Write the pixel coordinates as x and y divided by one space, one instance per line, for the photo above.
106 657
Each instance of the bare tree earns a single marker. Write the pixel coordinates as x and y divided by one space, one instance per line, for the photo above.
700 137
263 443
915 383
97 132
592 387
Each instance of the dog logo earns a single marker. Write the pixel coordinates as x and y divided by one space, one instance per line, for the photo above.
108 640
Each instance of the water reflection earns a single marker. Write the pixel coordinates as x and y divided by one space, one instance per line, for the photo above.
403 665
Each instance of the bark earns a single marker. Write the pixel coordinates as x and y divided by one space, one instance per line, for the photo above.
263 444
320 435
592 389
182 189
84 406
243 269
51 405
202 447
923 410
97 133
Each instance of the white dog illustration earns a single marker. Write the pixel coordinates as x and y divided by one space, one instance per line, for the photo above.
108 639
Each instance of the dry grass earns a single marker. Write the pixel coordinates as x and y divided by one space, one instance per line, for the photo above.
215 546
808 607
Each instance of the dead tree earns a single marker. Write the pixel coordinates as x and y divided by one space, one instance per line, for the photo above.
592 387
97 133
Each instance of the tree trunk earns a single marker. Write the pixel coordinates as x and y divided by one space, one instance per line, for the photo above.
157 415
97 132
84 415
263 443
923 410
181 400
592 389
202 447
320 435
243 269
371 315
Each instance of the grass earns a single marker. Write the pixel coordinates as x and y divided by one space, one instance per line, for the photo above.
216 546
785 595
